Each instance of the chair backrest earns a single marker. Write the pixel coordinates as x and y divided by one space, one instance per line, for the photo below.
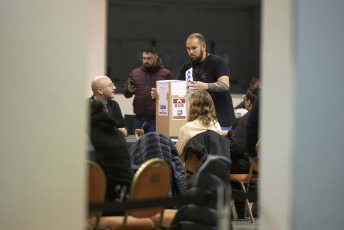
96 186
254 165
151 181
207 143
258 150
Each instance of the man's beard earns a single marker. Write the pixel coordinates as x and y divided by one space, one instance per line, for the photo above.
198 59
148 68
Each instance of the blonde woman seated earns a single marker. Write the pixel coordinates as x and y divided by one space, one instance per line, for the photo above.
202 117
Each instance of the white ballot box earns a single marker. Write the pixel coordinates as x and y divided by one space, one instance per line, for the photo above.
172 106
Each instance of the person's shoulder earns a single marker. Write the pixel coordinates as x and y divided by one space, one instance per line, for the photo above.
137 70
245 117
219 65
218 127
186 65
165 71
241 121
215 58
113 102
187 125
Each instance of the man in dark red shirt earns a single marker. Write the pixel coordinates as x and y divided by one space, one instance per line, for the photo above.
140 82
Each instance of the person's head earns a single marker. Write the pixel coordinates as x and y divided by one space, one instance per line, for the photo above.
196 47
202 106
103 88
254 82
149 57
250 97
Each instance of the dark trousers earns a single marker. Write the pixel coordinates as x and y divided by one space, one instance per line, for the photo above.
147 126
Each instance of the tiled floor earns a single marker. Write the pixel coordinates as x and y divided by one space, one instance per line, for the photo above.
245 224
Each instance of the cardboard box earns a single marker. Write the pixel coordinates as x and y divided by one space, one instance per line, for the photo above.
172 106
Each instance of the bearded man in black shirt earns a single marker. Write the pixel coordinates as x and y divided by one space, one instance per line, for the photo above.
209 72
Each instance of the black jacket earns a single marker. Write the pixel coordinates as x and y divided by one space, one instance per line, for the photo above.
114 112
208 143
252 129
111 150
238 150
152 145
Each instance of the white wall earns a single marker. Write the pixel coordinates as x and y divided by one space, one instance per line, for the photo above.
126 104
43 113
277 115
302 66
318 183
97 43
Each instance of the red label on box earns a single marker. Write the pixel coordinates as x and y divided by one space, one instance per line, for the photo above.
178 109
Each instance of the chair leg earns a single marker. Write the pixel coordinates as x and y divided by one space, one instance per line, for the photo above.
247 203
96 227
235 214
250 211
159 224
124 221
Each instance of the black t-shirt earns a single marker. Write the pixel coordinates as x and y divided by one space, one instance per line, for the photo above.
209 71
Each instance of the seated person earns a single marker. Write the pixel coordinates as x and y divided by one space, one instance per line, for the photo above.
237 136
202 117
104 91
254 82
238 147
111 153
252 137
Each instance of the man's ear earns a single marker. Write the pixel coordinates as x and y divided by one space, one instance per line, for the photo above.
204 46
250 104
100 90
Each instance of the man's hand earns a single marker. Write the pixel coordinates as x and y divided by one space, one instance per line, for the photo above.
131 88
198 85
153 93
124 131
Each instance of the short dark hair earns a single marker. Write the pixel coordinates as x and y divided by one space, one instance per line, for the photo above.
252 94
150 49
200 38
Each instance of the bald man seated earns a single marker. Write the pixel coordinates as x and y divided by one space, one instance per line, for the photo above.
104 91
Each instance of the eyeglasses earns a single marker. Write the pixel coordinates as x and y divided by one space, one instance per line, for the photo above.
244 97
111 85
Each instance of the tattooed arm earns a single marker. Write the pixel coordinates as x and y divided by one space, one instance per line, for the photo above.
221 85
218 87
